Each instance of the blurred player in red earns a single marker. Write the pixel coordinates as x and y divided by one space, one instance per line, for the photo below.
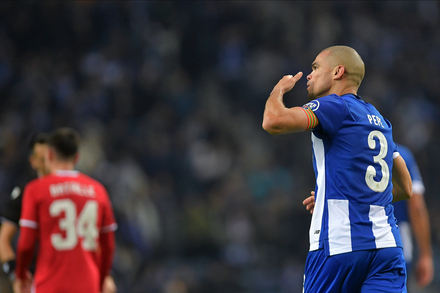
71 218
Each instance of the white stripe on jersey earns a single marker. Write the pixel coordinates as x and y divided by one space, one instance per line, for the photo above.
339 230
109 228
406 235
381 228
418 187
315 226
28 223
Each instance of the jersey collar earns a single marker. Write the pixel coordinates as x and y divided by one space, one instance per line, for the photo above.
66 173
356 96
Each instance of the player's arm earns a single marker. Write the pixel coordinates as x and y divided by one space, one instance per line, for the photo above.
402 183
107 247
278 119
10 217
7 232
25 251
23 285
419 219
28 234
7 254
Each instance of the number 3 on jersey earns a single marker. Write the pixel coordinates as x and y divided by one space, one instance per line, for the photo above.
83 226
371 171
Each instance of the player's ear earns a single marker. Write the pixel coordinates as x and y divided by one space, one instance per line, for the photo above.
338 72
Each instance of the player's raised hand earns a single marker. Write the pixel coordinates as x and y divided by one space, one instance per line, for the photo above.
310 202
286 83
277 118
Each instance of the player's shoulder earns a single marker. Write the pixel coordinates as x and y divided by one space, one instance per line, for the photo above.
33 183
86 179
325 101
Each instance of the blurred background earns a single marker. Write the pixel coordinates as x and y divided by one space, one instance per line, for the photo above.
169 97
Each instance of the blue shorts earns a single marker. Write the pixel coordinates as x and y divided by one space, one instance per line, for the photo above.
379 270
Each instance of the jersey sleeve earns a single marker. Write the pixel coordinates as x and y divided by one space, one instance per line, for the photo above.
12 209
29 208
25 250
395 149
108 218
107 237
330 111
107 250
28 232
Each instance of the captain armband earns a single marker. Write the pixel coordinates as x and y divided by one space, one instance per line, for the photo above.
312 120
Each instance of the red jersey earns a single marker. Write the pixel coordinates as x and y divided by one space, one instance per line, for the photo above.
70 215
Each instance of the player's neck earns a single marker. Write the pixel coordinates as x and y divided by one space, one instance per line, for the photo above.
344 87
343 90
62 166
354 92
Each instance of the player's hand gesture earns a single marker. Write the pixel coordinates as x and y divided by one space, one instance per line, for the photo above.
310 202
286 83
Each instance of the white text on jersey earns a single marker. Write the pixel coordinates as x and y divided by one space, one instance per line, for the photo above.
376 120
71 188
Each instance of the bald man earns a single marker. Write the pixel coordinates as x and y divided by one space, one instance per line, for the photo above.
355 244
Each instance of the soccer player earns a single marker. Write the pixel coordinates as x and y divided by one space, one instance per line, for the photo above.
412 216
10 213
70 216
355 244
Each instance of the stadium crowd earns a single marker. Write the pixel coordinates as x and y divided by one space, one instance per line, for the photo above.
169 96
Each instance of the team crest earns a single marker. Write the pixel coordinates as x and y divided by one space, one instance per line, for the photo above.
313 105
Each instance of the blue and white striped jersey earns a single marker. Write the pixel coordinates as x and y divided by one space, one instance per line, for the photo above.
353 152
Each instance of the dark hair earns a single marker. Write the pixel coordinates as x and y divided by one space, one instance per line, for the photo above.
39 137
65 142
